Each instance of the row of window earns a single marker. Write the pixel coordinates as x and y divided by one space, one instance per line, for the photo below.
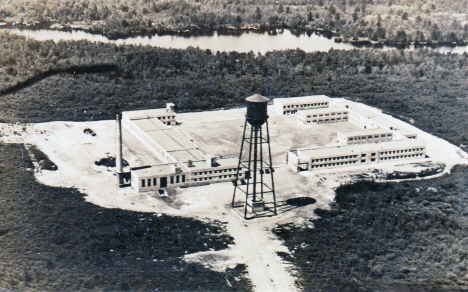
306 105
154 181
334 158
327 115
167 117
213 177
401 151
334 164
369 137
215 171
327 120
364 161
401 156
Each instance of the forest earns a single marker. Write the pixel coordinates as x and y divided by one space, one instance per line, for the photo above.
51 239
421 86
409 236
398 22
396 236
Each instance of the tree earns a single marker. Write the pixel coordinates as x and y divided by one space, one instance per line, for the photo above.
280 8
258 14
401 37
404 16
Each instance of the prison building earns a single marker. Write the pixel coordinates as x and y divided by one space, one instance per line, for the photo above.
367 119
323 115
364 136
354 155
182 163
172 175
166 115
288 106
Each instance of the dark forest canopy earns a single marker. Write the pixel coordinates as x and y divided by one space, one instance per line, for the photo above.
423 85
395 21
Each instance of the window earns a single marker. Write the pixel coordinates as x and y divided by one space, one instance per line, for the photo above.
149 182
177 179
373 154
172 179
363 155
142 183
363 161
155 181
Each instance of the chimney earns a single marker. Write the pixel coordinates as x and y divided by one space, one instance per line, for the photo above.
118 155
118 161
170 107
190 163
176 168
213 162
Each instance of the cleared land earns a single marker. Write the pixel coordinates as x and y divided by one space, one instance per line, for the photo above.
223 137
74 152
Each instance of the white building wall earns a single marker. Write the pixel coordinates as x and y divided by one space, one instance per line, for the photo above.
324 160
344 139
335 115
288 106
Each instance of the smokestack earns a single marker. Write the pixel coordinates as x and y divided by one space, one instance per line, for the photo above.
118 155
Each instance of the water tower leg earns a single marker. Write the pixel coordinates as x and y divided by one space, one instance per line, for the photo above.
239 166
271 168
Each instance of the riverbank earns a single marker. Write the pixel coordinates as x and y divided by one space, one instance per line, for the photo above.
196 31
397 23
422 85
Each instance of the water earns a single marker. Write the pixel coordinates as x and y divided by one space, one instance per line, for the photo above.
245 42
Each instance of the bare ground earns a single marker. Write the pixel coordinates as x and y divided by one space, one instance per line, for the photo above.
75 152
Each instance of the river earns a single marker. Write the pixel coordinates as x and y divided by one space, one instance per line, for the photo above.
245 42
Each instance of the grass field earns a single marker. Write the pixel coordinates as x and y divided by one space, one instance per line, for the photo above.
52 240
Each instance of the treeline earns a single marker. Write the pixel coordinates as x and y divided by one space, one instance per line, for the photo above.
392 21
408 236
422 85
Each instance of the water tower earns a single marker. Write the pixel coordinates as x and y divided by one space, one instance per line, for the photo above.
256 193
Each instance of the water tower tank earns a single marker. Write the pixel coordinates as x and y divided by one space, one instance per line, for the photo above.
257 109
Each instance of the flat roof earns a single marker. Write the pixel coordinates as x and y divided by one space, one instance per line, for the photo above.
302 99
382 120
160 169
366 132
170 140
323 110
147 113
167 137
359 148
149 124
186 155
223 162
